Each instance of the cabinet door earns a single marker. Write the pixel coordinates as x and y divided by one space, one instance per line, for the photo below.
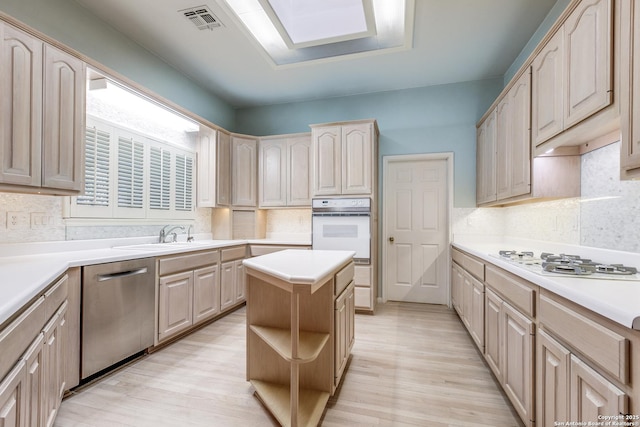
340 339
273 172
55 337
517 371
588 53
547 90
503 148
35 381
456 289
486 160
477 313
206 293
13 397
175 298
552 387
630 98
351 318
327 161
520 140
299 171
240 281
207 170
63 123
245 171
592 395
227 285
21 107
467 300
223 165
493 333
357 148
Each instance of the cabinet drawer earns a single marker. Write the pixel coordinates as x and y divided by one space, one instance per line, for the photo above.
519 292
601 345
230 254
472 265
362 276
18 335
55 296
188 261
343 278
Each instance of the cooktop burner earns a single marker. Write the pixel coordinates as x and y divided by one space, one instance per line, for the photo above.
568 265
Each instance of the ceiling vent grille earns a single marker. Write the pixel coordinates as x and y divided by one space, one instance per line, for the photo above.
201 17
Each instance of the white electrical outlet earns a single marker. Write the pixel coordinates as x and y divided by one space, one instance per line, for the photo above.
18 220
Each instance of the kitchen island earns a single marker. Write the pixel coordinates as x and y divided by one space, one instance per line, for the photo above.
298 331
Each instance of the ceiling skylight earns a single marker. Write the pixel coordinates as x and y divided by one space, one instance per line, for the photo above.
304 23
293 31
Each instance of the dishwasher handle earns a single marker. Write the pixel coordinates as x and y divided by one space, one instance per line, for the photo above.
121 274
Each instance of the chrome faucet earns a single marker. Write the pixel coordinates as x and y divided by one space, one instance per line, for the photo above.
164 234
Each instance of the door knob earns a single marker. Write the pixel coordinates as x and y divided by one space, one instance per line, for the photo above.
391 239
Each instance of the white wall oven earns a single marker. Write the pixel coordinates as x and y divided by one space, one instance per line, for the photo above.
343 224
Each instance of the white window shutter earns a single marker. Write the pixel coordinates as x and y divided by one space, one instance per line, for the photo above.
130 173
160 179
96 167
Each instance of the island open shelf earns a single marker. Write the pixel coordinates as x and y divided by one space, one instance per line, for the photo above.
291 331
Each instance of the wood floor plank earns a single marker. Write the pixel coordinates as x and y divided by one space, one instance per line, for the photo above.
411 365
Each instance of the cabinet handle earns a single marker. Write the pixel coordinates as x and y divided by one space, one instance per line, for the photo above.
391 239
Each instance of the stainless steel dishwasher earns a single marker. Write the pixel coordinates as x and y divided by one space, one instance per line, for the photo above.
117 312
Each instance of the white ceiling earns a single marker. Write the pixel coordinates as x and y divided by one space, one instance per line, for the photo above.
453 41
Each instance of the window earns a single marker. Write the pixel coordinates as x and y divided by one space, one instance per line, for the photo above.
131 175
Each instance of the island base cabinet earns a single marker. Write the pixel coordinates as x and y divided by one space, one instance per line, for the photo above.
344 321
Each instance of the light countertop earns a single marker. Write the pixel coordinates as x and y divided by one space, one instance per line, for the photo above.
28 268
616 300
300 266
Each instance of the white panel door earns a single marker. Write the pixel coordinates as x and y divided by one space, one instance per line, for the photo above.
416 212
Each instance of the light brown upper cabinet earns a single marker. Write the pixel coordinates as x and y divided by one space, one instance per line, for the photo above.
630 103
486 160
214 167
513 141
344 158
572 74
244 167
42 115
285 171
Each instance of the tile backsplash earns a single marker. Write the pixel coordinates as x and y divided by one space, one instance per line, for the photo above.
605 216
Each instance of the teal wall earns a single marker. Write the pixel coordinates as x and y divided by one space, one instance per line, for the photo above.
69 23
546 24
430 119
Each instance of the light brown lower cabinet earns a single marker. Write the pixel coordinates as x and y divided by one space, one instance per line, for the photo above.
188 291
31 392
569 389
509 339
473 308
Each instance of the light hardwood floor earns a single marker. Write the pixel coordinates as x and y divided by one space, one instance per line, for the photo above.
412 365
